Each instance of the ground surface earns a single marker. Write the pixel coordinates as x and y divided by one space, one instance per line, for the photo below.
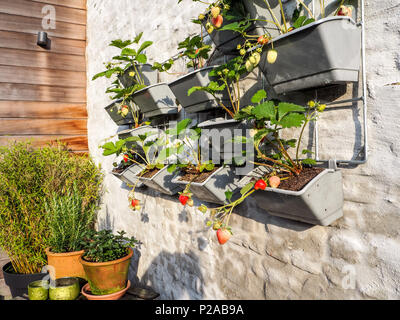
4 291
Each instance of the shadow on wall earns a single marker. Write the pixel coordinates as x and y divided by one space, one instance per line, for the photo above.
175 276
250 210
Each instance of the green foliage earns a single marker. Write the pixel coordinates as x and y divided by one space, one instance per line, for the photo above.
104 246
271 117
149 150
227 77
68 221
29 177
126 64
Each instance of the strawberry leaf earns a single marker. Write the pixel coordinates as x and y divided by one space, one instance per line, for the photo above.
228 195
258 96
264 111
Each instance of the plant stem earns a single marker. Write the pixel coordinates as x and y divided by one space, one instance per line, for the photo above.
308 10
273 16
283 15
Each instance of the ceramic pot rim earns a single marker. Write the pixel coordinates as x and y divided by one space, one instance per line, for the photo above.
64 254
101 264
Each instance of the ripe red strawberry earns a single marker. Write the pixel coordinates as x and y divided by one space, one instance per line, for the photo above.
126 157
217 22
183 199
260 184
135 202
223 235
262 40
274 181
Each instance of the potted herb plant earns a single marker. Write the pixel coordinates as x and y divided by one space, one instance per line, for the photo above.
198 174
29 178
68 220
106 261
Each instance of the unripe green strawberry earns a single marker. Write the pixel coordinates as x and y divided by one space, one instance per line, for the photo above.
249 66
215 11
202 208
257 58
242 52
271 56
216 225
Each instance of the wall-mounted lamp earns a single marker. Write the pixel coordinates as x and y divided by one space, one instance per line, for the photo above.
43 40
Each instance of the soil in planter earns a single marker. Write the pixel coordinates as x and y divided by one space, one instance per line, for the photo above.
150 173
296 183
191 175
119 169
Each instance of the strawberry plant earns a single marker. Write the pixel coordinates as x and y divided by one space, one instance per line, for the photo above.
188 154
227 79
270 119
150 151
126 62
104 246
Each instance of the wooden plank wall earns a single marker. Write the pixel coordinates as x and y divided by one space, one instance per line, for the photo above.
43 92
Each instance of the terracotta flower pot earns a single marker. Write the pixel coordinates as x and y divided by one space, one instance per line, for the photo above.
107 277
66 264
86 291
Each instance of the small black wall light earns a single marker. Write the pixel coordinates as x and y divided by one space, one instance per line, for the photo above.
43 40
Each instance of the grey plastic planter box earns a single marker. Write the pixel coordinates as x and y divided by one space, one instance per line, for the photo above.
200 100
156 100
129 175
320 202
162 182
112 110
148 75
135 132
324 52
213 189
226 130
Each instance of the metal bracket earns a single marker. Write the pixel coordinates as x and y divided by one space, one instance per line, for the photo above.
362 98
332 164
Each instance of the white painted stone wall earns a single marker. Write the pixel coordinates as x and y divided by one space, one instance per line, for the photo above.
358 257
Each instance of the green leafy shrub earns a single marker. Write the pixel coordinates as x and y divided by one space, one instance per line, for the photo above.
29 177
68 221
103 246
